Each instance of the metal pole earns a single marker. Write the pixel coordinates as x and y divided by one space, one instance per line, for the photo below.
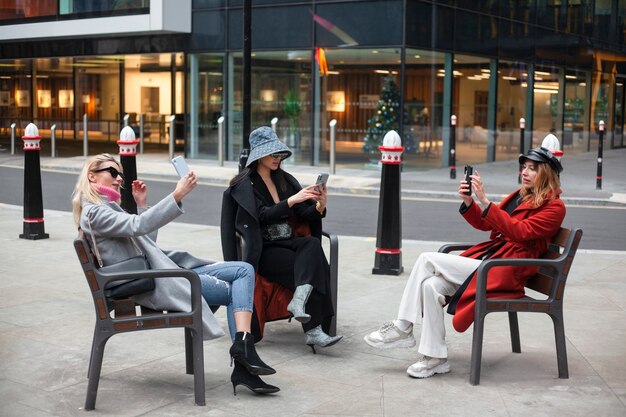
332 124
247 72
126 117
522 125
12 138
85 143
141 134
599 171
220 140
274 122
247 82
453 147
172 138
53 140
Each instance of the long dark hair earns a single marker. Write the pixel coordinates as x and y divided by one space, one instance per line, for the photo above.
278 176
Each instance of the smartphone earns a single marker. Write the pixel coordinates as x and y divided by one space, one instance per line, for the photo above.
180 165
469 170
321 180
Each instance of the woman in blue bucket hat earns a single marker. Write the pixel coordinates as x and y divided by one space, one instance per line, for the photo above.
268 207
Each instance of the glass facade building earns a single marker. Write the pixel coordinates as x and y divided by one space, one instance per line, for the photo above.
368 64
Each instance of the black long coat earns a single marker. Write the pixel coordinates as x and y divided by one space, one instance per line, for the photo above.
239 215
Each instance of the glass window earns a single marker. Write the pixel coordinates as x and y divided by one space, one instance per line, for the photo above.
206 103
82 6
55 95
26 9
600 109
575 111
477 33
423 106
208 30
96 94
375 23
547 114
512 92
517 40
153 86
15 93
471 106
361 92
292 24
281 89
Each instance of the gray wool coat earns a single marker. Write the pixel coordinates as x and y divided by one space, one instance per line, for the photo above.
112 227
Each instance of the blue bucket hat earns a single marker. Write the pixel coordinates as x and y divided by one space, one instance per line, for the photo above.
264 142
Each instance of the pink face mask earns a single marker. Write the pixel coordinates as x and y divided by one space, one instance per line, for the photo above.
108 192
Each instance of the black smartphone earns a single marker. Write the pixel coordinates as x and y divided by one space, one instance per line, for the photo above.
469 170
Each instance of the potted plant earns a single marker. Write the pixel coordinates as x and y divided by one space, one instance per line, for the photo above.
293 110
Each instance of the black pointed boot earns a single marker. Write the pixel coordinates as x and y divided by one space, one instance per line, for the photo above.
254 383
243 351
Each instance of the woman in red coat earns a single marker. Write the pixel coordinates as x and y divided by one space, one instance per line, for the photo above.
521 226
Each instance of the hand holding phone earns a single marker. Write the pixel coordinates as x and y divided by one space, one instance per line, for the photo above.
321 181
469 170
180 165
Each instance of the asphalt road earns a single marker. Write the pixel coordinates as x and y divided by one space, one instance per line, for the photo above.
431 220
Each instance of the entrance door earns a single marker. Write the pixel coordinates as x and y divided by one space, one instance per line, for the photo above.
618 133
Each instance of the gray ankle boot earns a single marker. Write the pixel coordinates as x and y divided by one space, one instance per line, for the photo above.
317 337
297 303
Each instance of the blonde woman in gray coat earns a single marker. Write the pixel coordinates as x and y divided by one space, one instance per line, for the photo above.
118 235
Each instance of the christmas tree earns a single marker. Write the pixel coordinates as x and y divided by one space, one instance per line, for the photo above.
386 118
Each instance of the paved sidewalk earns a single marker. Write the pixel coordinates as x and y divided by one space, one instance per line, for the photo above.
46 324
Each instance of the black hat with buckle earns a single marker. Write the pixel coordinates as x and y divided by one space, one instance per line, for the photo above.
543 155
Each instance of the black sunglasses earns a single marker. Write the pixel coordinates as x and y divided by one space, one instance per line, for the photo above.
281 155
111 170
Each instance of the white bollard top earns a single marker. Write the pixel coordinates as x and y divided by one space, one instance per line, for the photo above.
127 134
392 139
31 131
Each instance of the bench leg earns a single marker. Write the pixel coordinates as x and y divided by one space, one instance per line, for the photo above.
188 352
561 349
477 350
95 366
514 326
198 367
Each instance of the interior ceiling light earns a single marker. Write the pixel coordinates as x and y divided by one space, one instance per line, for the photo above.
543 73
506 77
570 77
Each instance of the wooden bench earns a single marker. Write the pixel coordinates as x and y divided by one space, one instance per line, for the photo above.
123 316
554 265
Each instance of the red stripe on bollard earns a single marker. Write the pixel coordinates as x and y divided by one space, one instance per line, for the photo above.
34 220
388 251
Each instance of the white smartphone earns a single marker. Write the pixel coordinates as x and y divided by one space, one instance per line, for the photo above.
321 180
180 165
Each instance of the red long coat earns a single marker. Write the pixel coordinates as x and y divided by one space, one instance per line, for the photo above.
526 233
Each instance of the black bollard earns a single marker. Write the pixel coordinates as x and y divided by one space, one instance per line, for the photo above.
453 147
33 200
522 125
128 159
388 257
599 170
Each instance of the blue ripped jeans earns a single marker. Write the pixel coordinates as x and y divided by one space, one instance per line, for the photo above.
229 284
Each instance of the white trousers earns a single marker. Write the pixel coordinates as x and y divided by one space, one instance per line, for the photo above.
434 276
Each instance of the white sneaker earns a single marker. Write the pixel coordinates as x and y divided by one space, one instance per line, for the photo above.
427 367
389 337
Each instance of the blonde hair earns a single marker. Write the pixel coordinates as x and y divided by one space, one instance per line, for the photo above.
83 189
546 188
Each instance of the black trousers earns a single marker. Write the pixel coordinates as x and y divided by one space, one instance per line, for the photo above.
298 261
